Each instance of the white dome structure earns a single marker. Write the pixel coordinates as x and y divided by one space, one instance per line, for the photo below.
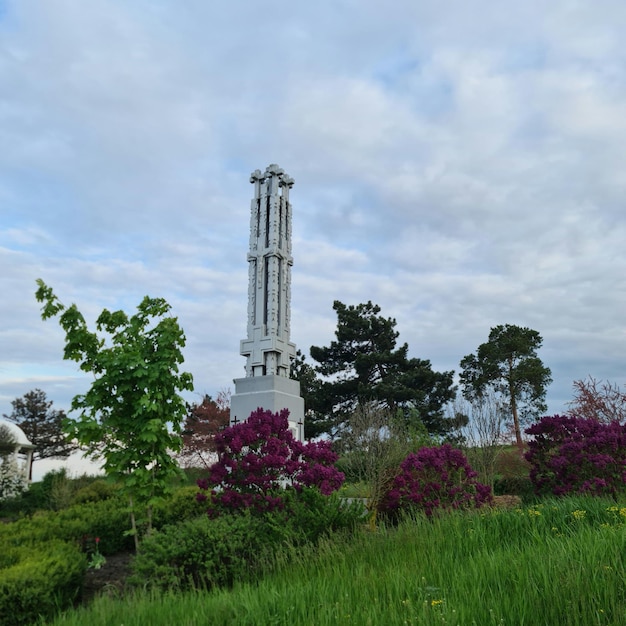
17 433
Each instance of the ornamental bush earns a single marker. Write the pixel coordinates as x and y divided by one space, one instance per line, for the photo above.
38 581
207 553
434 478
571 454
13 480
259 461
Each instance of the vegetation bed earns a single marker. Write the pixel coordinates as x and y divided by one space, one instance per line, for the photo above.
559 562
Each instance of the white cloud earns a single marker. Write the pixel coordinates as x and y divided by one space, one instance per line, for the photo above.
460 172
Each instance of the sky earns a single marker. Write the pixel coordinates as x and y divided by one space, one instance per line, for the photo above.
462 164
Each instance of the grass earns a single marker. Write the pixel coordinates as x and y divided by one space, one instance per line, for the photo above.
561 562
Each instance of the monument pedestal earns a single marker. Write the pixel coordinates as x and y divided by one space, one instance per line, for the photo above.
271 393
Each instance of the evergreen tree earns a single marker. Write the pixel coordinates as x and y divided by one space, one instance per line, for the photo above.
42 425
364 365
508 365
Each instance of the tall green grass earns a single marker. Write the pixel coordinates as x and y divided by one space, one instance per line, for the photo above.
559 563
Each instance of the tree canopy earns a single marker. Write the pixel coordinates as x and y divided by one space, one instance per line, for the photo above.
132 414
203 422
507 364
365 365
42 425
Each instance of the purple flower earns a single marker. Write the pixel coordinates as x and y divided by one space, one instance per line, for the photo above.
258 460
434 478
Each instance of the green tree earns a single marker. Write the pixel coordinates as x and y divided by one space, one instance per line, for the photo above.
363 366
42 425
131 416
310 386
508 365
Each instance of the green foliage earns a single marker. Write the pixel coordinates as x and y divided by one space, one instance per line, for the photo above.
57 491
206 553
127 413
41 424
508 365
178 506
95 492
375 446
61 540
106 519
561 563
36 582
520 486
309 515
7 441
364 365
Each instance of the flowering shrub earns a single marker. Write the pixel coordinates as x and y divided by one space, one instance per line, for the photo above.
570 454
259 459
433 478
13 479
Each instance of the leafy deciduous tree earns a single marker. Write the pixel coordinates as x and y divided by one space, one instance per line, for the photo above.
202 424
482 432
363 365
42 425
126 416
508 365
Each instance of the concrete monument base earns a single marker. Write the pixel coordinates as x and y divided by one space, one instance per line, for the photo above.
271 393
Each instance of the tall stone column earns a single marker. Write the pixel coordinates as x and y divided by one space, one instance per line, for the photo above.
267 348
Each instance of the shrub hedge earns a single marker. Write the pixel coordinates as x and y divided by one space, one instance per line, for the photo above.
37 581
206 553
43 557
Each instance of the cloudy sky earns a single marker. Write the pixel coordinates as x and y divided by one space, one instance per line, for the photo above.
462 164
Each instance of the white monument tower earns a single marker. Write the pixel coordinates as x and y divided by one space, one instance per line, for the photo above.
267 348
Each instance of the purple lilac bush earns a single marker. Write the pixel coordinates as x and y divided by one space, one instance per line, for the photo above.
438 477
571 454
259 460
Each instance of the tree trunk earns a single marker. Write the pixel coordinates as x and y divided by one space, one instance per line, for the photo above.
133 525
518 433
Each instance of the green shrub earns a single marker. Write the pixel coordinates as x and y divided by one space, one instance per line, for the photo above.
106 519
36 583
56 491
309 515
510 463
95 492
181 505
515 486
204 552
